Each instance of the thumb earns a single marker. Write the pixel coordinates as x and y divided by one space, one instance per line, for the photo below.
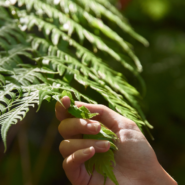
74 168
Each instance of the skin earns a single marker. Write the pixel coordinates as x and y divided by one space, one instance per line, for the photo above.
136 162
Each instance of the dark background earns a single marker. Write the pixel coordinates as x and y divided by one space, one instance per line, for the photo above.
33 154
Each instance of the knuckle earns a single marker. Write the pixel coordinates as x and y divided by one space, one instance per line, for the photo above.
62 147
58 115
131 125
59 127
75 127
102 106
60 130
102 110
64 164
62 126
69 162
127 134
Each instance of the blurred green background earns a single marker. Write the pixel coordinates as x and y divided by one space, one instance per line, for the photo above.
33 156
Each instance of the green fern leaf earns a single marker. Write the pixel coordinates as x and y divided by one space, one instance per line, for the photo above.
43 94
2 80
102 163
81 112
6 71
28 76
64 86
97 67
17 113
9 62
56 34
11 33
74 9
112 8
8 90
100 10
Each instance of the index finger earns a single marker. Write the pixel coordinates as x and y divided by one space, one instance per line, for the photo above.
61 111
106 116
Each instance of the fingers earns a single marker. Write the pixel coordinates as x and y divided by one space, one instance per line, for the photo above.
75 127
73 167
67 147
60 111
108 117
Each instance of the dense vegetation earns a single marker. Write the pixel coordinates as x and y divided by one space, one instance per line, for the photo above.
48 47
33 145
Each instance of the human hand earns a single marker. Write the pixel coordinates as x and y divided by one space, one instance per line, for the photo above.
136 162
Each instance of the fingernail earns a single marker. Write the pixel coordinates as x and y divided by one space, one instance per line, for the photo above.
102 144
94 127
83 122
88 150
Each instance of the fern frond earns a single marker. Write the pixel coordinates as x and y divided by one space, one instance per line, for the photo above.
2 80
4 15
12 34
93 70
99 10
8 95
111 96
116 101
17 113
80 15
10 61
72 26
56 34
112 8
31 75
58 84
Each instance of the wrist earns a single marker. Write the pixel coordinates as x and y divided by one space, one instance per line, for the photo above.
160 177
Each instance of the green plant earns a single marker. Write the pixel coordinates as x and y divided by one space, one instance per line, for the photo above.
48 46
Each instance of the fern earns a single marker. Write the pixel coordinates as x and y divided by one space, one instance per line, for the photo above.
57 34
10 34
46 46
18 113
78 14
101 11
113 9
10 61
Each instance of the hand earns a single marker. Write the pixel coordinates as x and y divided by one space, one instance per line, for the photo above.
136 162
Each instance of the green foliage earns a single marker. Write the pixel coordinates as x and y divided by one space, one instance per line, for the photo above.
81 112
100 11
50 46
102 162
22 107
